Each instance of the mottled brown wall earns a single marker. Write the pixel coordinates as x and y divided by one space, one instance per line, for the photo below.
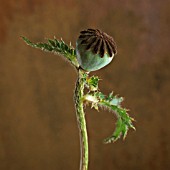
38 129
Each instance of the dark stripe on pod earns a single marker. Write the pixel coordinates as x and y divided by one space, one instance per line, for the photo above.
98 42
102 49
112 44
97 46
109 49
88 34
87 40
91 30
91 43
85 32
98 31
84 36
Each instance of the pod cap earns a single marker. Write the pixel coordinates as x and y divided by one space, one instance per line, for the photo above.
94 49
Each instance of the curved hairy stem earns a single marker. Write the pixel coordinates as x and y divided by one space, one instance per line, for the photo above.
78 97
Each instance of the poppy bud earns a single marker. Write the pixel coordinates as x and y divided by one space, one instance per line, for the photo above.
95 49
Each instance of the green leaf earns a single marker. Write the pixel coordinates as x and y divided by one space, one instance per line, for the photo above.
116 135
113 103
116 100
51 42
99 95
121 129
57 47
124 122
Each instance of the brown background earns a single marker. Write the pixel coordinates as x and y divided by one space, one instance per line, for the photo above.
38 128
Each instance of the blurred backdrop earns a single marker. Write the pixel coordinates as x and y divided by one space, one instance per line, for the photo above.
38 128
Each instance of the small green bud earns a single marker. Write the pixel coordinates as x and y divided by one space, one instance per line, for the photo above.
95 49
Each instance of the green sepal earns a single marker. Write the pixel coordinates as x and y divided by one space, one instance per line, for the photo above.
92 83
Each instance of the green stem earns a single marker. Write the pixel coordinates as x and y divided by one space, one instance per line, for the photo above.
78 97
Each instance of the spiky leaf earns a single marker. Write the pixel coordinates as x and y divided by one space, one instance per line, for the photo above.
57 47
113 103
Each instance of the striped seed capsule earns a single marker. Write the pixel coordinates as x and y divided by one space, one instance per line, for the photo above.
95 49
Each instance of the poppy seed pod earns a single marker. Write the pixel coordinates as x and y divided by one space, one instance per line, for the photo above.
94 49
